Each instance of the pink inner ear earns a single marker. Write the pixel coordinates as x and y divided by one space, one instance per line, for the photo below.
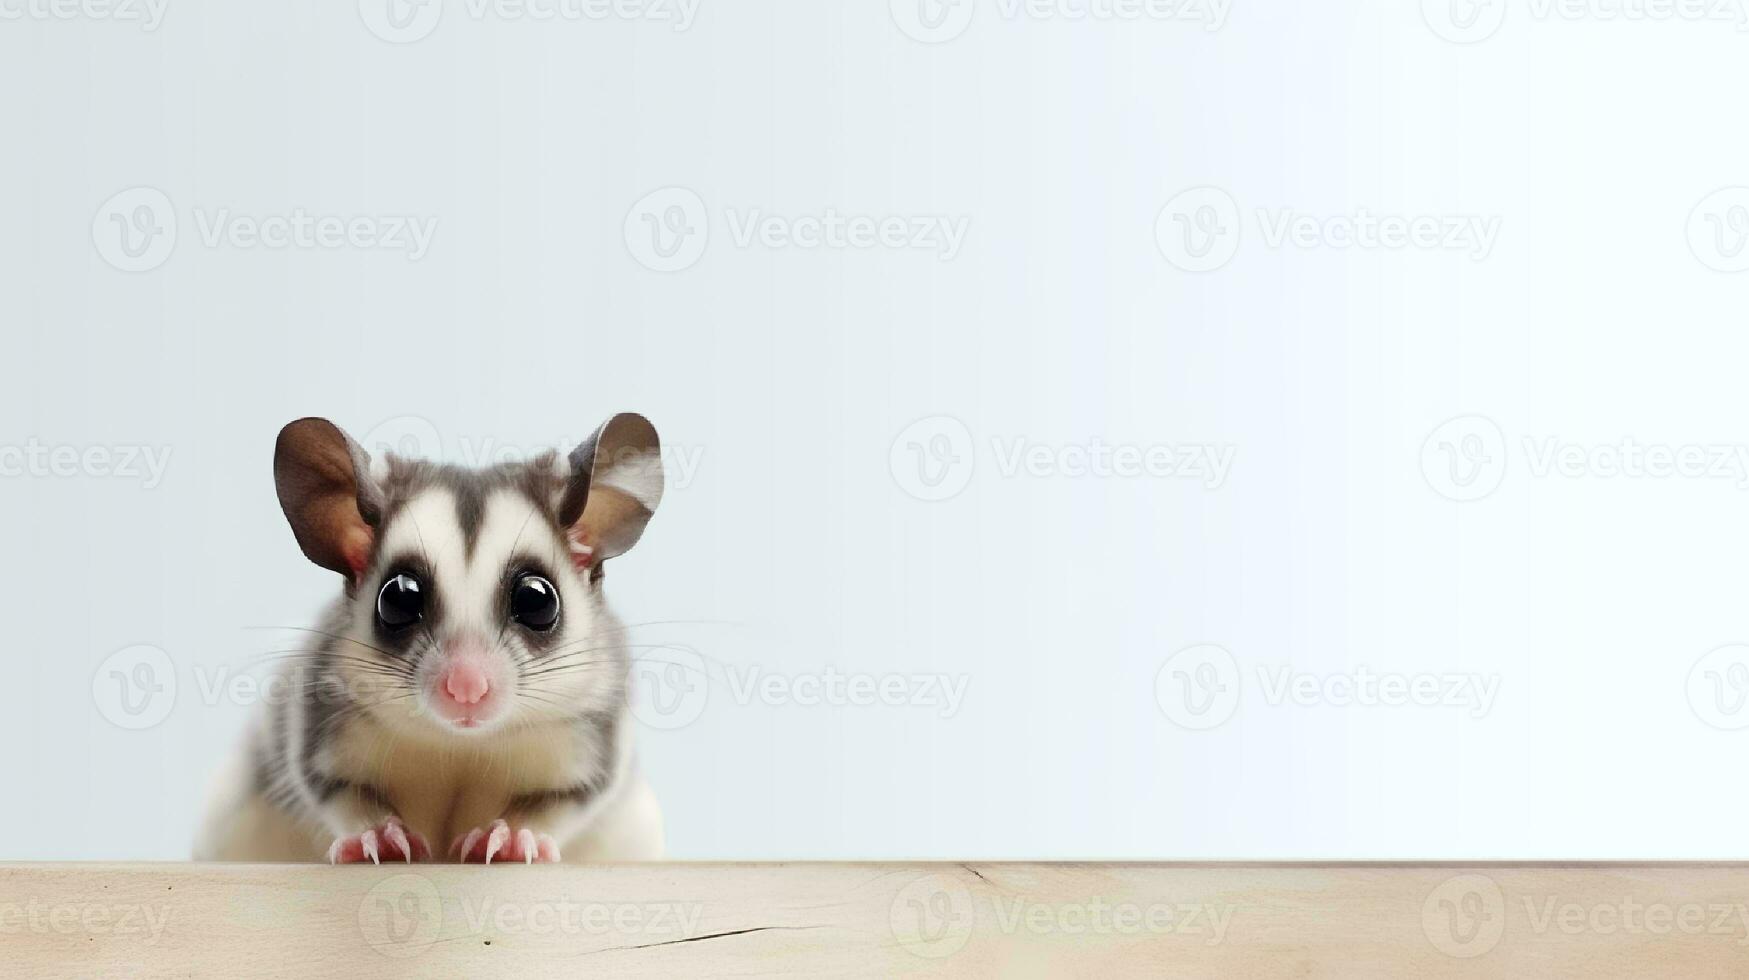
356 551
582 552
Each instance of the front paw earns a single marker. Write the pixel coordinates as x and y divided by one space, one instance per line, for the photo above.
483 845
387 841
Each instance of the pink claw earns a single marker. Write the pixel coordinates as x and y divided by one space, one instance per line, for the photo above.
483 845
464 845
496 839
397 840
388 840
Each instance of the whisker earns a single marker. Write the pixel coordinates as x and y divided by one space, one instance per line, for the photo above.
671 622
331 635
570 669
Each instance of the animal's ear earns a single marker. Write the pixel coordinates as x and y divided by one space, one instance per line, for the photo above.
614 485
326 490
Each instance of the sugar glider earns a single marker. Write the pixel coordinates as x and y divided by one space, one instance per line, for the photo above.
465 696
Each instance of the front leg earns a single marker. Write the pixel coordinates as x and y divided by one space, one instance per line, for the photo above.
366 828
530 830
365 824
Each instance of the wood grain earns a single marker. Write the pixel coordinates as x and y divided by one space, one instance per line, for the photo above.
979 919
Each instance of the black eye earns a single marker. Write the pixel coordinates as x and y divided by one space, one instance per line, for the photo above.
401 603
534 603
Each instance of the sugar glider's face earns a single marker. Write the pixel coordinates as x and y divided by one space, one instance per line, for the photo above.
479 595
474 597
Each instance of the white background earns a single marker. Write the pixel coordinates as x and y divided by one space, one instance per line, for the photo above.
1606 312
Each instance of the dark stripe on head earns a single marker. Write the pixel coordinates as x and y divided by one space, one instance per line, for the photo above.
536 480
470 491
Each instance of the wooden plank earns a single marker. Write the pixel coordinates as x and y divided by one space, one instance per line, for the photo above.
979 919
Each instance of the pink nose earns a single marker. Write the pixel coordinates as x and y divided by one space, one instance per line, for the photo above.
466 682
